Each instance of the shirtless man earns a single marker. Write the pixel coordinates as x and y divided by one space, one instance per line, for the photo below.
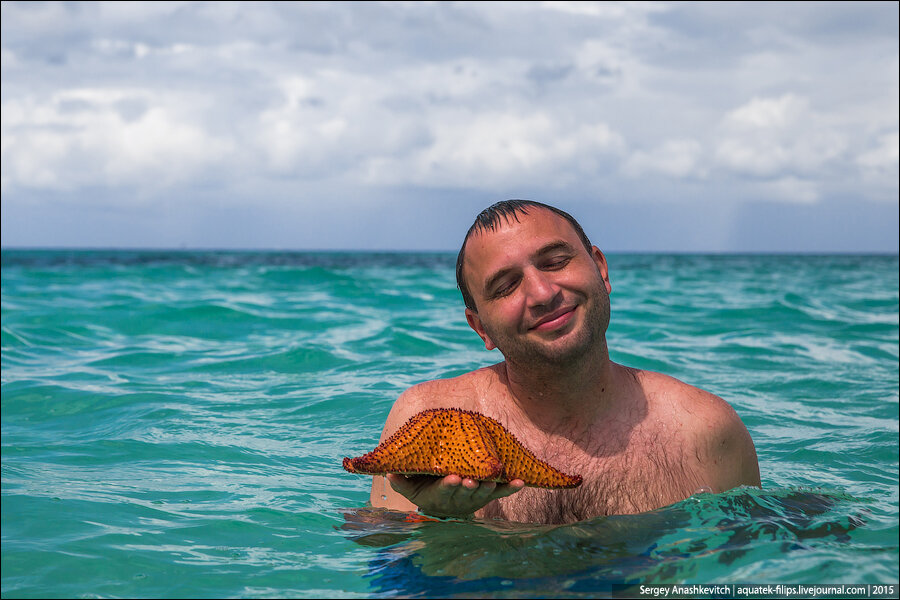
536 289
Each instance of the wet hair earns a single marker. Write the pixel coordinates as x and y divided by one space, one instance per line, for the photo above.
489 219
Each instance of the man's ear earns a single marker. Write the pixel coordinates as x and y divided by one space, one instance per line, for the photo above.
475 323
600 261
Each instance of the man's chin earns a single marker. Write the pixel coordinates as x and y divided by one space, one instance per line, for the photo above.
560 352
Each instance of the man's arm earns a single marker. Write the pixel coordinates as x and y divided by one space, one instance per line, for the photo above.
450 496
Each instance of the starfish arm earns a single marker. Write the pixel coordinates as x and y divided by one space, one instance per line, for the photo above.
434 442
451 441
520 463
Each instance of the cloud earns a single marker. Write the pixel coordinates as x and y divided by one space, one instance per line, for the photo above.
111 137
278 104
884 156
676 158
768 137
499 150
791 189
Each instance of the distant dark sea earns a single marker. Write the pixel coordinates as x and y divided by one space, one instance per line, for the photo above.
173 425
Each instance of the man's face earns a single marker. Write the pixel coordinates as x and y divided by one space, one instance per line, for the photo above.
539 294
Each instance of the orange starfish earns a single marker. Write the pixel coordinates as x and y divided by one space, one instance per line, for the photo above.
446 441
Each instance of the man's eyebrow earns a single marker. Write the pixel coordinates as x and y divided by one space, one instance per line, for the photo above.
545 249
553 246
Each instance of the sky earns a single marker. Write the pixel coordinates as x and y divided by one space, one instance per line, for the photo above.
662 127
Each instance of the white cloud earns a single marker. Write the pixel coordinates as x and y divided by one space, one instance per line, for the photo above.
428 125
880 166
606 10
95 136
792 190
591 9
138 50
772 136
329 123
884 156
497 149
675 158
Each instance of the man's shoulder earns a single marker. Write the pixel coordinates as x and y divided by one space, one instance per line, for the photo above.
704 418
462 391
451 392
710 426
669 393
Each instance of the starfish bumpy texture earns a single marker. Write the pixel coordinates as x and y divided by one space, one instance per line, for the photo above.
447 441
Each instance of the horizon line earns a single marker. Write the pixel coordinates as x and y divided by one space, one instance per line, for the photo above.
187 249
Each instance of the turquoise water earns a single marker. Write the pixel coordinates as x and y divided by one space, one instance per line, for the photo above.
173 425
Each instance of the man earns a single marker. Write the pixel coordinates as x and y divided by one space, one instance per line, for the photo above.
536 289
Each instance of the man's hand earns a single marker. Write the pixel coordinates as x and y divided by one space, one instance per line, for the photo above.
450 496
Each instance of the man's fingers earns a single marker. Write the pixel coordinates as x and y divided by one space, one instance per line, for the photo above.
508 489
451 494
483 492
451 481
415 486
411 486
470 483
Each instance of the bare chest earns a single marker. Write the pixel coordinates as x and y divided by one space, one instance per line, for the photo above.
651 470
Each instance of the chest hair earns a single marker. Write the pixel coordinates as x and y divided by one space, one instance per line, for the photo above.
646 475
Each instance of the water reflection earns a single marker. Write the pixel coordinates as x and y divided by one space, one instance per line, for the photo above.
709 534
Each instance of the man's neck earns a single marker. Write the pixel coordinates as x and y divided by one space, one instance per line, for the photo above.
567 397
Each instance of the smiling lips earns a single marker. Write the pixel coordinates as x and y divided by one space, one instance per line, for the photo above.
555 320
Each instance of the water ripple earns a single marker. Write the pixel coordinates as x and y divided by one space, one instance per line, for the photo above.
173 425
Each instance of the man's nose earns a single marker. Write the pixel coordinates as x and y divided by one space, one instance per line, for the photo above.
542 290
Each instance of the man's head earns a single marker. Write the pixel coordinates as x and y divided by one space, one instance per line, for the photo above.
490 219
534 286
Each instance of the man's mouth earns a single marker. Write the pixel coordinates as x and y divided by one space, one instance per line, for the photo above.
554 320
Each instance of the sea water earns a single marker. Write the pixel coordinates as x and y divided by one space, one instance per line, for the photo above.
173 425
